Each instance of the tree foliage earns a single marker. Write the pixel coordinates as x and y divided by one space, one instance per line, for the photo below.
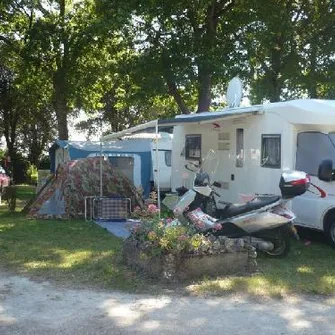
290 48
125 62
189 45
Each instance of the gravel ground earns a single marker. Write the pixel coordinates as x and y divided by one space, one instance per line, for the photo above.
29 307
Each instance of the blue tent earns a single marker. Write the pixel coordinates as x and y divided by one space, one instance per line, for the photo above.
138 151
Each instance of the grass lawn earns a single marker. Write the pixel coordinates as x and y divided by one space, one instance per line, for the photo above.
64 251
79 253
25 192
307 269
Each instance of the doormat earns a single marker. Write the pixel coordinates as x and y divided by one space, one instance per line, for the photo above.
120 229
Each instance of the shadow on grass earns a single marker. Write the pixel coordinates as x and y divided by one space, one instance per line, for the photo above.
25 192
307 269
74 251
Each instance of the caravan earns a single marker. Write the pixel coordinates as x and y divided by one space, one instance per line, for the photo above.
255 144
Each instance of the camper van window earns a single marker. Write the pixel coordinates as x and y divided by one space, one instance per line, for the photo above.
312 148
168 157
193 147
239 147
271 151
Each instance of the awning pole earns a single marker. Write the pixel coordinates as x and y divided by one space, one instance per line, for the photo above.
157 172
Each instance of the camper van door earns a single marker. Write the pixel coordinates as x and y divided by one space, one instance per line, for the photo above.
164 166
312 148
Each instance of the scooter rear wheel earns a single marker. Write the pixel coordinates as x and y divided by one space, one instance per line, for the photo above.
282 243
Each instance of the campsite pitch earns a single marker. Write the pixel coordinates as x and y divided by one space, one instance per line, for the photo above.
81 254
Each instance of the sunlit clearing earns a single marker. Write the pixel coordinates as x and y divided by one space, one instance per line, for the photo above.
255 285
305 269
68 259
328 281
39 265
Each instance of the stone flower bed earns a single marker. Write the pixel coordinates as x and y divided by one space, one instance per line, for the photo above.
234 257
167 250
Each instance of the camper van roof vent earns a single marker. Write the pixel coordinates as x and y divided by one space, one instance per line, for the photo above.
234 92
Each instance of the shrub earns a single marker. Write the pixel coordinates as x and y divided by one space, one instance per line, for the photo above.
32 174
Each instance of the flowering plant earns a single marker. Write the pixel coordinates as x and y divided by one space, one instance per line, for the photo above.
168 235
162 236
148 212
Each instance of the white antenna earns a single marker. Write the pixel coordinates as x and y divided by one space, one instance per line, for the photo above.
234 92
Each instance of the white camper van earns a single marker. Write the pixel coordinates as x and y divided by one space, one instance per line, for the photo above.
163 161
255 144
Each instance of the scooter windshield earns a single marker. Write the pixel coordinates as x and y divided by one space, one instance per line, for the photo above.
210 164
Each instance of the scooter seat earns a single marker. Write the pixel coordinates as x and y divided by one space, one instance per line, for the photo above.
233 210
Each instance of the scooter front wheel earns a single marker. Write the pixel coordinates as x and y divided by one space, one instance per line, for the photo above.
282 243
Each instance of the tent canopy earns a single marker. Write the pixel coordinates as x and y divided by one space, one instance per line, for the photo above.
139 150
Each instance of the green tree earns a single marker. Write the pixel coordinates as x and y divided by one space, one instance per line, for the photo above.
58 37
188 46
121 93
9 109
289 45
317 49
270 40
24 91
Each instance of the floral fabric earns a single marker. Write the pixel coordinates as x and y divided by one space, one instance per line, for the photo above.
77 179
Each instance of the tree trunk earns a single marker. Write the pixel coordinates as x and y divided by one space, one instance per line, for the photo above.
35 148
204 90
275 81
61 113
11 118
111 112
171 83
173 90
60 98
10 136
60 78
275 87
206 41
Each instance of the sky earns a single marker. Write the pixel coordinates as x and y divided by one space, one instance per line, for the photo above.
74 134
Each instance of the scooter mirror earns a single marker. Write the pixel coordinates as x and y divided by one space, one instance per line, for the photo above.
325 171
193 166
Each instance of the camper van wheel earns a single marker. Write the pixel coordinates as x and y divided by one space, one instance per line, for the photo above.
329 228
282 243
